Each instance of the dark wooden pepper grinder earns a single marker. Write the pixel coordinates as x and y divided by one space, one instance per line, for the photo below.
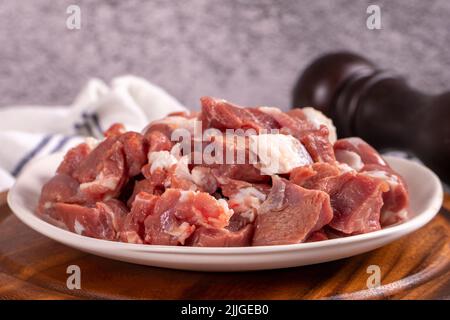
378 106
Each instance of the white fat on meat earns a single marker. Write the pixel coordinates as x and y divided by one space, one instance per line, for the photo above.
344 168
203 178
176 150
247 201
91 142
48 205
246 198
278 153
182 172
313 116
182 168
131 237
177 122
185 194
78 227
350 158
109 182
318 118
356 142
165 160
161 160
198 176
181 232
224 204
390 217
269 110
392 180
112 216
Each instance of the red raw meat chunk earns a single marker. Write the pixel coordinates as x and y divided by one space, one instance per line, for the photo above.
146 185
105 170
396 199
199 178
102 221
115 130
170 172
313 137
177 213
308 176
244 199
359 155
318 145
366 153
333 234
159 133
229 187
184 114
73 158
222 115
60 188
243 172
133 229
180 177
135 149
240 220
290 214
240 168
357 204
237 149
158 141
319 235
204 179
158 178
356 200
212 237
88 176
103 173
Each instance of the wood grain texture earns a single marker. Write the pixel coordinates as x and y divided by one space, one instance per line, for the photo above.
414 267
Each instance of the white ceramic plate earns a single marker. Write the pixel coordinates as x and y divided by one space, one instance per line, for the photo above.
426 199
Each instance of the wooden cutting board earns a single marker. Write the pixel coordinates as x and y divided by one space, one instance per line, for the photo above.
34 267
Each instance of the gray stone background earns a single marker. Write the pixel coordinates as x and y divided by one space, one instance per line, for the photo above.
250 52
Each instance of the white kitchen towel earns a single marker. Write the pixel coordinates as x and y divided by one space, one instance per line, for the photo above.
29 132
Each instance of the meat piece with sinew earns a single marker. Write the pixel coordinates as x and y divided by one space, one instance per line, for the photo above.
356 201
290 214
178 213
359 155
213 237
356 198
103 221
314 135
133 228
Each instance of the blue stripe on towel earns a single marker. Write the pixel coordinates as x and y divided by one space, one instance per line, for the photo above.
31 154
91 120
84 125
89 125
97 123
61 143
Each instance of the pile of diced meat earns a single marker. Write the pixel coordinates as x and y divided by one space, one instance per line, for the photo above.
139 188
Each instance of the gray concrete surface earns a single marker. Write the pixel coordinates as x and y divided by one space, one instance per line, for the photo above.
250 52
